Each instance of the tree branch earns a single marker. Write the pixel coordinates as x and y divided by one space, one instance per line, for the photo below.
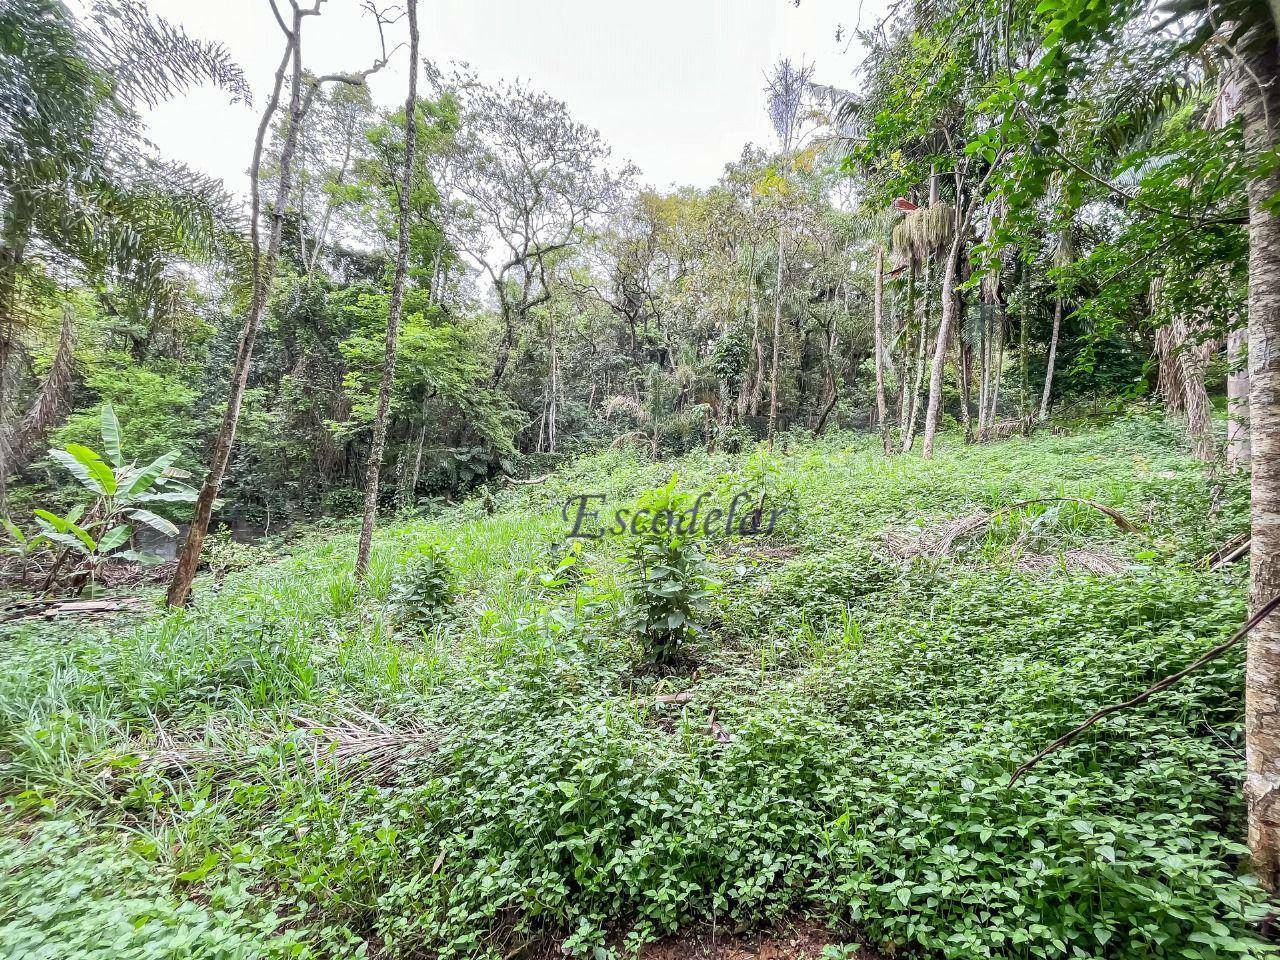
1155 688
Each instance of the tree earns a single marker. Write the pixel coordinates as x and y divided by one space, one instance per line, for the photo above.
527 178
302 92
397 303
79 188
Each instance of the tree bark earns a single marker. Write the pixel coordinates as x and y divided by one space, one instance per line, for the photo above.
909 439
882 413
1238 398
945 324
395 307
777 335
1053 356
1262 675
264 268
998 372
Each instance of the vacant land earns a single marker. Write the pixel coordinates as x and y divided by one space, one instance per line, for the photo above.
294 767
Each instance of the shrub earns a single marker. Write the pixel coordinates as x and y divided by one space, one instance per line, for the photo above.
423 588
668 578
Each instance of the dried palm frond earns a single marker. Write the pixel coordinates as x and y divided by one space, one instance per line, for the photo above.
1079 560
52 398
924 231
936 540
1066 247
626 405
354 745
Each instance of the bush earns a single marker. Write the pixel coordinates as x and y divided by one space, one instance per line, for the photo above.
423 588
668 578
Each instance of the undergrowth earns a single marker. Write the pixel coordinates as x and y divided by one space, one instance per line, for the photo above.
842 747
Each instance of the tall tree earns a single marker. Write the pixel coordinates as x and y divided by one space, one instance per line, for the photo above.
80 189
526 178
302 92
397 302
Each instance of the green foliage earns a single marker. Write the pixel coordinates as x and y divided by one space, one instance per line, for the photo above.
422 589
61 896
867 714
96 530
155 404
224 555
668 579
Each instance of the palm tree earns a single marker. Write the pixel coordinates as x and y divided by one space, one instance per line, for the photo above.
78 188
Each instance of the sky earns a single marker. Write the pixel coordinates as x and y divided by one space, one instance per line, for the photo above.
674 86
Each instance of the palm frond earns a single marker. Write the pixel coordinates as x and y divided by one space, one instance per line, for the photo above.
629 406
151 60
924 231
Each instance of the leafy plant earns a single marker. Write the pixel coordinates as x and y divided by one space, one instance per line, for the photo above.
225 555
93 532
668 578
21 546
423 588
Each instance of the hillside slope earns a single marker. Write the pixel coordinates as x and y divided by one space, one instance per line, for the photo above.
289 769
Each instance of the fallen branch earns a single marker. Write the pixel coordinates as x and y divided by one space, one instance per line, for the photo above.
941 539
1118 518
1155 688
1229 552
541 479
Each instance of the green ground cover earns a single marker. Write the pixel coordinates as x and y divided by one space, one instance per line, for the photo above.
297 767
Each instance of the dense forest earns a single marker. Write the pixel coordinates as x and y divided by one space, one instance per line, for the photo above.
311 650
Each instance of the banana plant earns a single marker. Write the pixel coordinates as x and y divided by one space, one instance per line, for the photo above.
120 489
21 546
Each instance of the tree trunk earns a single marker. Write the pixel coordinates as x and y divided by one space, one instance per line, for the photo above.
746 388
1024 367
882 413
553 388
984 371
948 298
909 440
1262 676
777 335
507 342
1238 398
998 372
394 308
1195 399
1053 355
264 268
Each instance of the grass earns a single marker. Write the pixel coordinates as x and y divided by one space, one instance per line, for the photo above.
165 798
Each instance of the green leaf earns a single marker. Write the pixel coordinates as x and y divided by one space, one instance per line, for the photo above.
52 520
13 530
148 475
84 537
113 538
111 435
185 495
96 466
199 873
153 521
78 469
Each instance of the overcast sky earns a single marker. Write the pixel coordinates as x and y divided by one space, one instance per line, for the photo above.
673 85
